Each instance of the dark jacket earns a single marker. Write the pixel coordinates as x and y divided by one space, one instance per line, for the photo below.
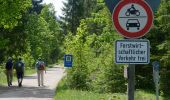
9 65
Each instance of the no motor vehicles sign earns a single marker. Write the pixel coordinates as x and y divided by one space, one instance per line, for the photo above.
132 51
132 18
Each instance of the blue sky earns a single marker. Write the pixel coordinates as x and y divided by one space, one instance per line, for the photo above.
57 4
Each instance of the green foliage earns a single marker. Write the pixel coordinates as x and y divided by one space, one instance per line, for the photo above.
74 11
78 76
11 12
93 53
28 35
29 61
163 47
114 79
38 31
160 50
44 35
64 92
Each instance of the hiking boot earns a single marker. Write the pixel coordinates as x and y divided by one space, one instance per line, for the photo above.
10 83
19 85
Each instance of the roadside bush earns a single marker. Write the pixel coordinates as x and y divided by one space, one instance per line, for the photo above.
77 78
115 81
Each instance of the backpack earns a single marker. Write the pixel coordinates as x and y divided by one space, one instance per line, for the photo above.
41 66
9 65
19 67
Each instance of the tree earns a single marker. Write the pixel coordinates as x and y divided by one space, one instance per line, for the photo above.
164 46
11 12
48 14
74 11
160 50
44 34
93 55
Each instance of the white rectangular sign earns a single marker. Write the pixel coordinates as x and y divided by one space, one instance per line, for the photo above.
130 51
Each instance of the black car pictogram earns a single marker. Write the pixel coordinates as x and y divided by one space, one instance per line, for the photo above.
131 23
132 11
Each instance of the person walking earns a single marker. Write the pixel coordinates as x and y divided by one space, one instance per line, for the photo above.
40 67
20 71
9 71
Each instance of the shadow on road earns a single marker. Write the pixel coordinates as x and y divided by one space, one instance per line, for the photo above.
30 77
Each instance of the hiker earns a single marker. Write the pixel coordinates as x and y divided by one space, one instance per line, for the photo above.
40 67
20 71
9 71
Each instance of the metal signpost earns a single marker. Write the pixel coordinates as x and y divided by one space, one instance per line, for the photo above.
132 19
156 77
132 51
68 59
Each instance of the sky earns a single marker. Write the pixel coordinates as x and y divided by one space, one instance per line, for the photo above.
57 4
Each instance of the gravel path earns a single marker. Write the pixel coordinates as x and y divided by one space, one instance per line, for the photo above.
30 89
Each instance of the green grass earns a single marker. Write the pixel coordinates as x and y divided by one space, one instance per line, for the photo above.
85 95
2 77
30 71
64 93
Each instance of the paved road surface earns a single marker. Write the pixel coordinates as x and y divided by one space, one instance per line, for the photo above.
30 89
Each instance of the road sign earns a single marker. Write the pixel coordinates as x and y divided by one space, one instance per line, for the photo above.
68 59
154 4
132 18
131 51
156 65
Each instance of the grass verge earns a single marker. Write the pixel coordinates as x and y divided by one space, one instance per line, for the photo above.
64 93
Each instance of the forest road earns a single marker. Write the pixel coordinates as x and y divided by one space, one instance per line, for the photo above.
31 90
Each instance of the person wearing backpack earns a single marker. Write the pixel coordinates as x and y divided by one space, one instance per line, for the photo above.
40 66
20 71
9 71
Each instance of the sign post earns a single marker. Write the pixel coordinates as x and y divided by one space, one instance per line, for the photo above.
130 51
156 67
131 81
132 19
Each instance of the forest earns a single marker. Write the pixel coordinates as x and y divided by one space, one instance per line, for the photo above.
85 30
